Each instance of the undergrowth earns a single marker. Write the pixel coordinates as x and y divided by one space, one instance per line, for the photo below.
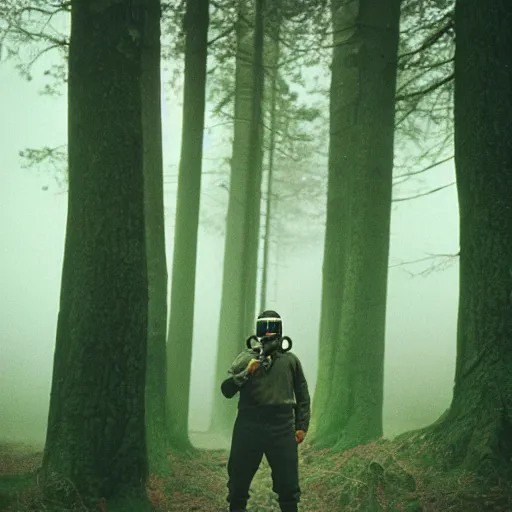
382 476
394 477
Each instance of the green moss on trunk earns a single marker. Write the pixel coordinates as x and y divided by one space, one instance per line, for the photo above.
96 432
349 394
477 430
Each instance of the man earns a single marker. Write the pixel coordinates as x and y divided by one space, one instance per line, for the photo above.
273 418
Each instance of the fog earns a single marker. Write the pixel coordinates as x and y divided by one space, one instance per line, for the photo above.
421 312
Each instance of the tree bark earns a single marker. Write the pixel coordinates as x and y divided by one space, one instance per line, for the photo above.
241 242
156 433
181 320
96 431
349 391
478 426
255 170
274 29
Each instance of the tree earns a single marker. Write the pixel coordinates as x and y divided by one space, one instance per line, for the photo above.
250 246
424 105
349 390
29 34
273 65
476 431
96 434
290 131
187 220
242 224
156 432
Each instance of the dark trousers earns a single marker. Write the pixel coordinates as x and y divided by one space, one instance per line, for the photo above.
268 431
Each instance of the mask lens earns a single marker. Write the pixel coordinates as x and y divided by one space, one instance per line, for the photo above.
266 327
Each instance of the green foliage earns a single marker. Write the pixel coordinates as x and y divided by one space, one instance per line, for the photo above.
173 40
54 160
30 30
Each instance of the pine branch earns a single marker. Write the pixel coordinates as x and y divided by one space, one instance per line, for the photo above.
425 169
432 39
426 90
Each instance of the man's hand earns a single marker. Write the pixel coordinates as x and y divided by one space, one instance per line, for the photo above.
300 436
253 365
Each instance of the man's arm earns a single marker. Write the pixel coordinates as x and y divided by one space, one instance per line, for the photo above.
232 385
303 408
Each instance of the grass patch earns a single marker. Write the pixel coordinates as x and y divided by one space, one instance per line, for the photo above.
195 483
18 466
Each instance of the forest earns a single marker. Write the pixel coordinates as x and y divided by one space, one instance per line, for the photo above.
171 169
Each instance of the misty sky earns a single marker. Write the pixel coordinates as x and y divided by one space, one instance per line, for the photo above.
420 344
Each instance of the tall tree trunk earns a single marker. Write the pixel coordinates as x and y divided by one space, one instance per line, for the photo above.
255 170
275 29
478 426
96 432
349 391
181 321
156 433
241 243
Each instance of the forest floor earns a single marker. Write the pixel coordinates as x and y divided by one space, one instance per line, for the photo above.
383 476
